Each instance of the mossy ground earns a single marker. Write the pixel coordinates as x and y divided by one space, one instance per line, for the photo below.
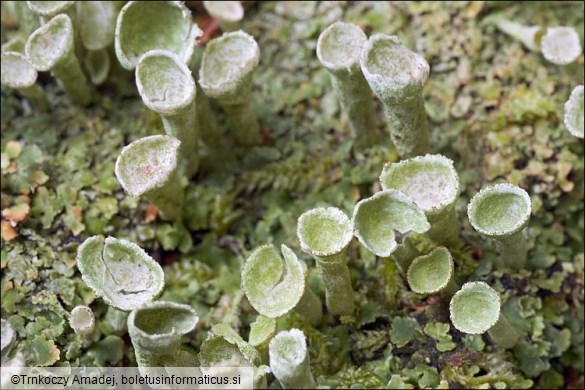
494 108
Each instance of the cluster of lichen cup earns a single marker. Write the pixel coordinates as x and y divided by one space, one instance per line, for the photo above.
418 196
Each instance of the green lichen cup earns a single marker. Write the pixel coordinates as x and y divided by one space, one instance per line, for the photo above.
82 320
529 35
148 167
18 73
397 75
167 87
338 50
119 271
475 309
228 14
432 273
226 72
431 181
51 47
502 212
156 329
7 339
325 233
49 9
561 45
289 360
377 219
98 64
574 112
275 286
97 23
148 25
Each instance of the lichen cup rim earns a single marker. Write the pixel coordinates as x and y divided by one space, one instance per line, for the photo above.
418 261
287 254
155 305
326 59
471 326
161 107
64 46
571 107
388 85
58 8
301 342
130 61
31 74
86 314
228 17
161 179
394 195
420 161
494 190
230 82
330 212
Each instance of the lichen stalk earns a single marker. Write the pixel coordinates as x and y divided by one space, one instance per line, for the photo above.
289 360
338 50
397 75
338 291
243 122
503 334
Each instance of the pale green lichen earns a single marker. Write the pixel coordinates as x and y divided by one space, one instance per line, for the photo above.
82 320
97 23
228 14
119 271
7 339
325 233
98 64
475 309
226 72
529 35
156 329
397 75
148 167
433 273
432 182
561 45
144 26
49 9
166 86
377 219
502 212
51 47
289 360
338 51
574 112
275 286
18 73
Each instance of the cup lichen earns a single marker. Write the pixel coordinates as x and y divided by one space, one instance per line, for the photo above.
228 14
397 75
433 273
226 73
289 360
325 233
338 51
82 320
502 212
575 113
18 73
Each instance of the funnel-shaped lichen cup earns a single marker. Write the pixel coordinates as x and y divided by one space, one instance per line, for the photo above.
8 338
156 329
529 35
275 286
49 9
119 271
97 23
19 74
475 309
148 25
501 212
325 233
148 167
574 112
289 360
228 14
431 181
397 75
561 45
51 47
377 219
432 273
338 50
167 87
82 320
226 73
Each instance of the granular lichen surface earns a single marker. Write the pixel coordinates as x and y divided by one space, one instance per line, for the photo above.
494 107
